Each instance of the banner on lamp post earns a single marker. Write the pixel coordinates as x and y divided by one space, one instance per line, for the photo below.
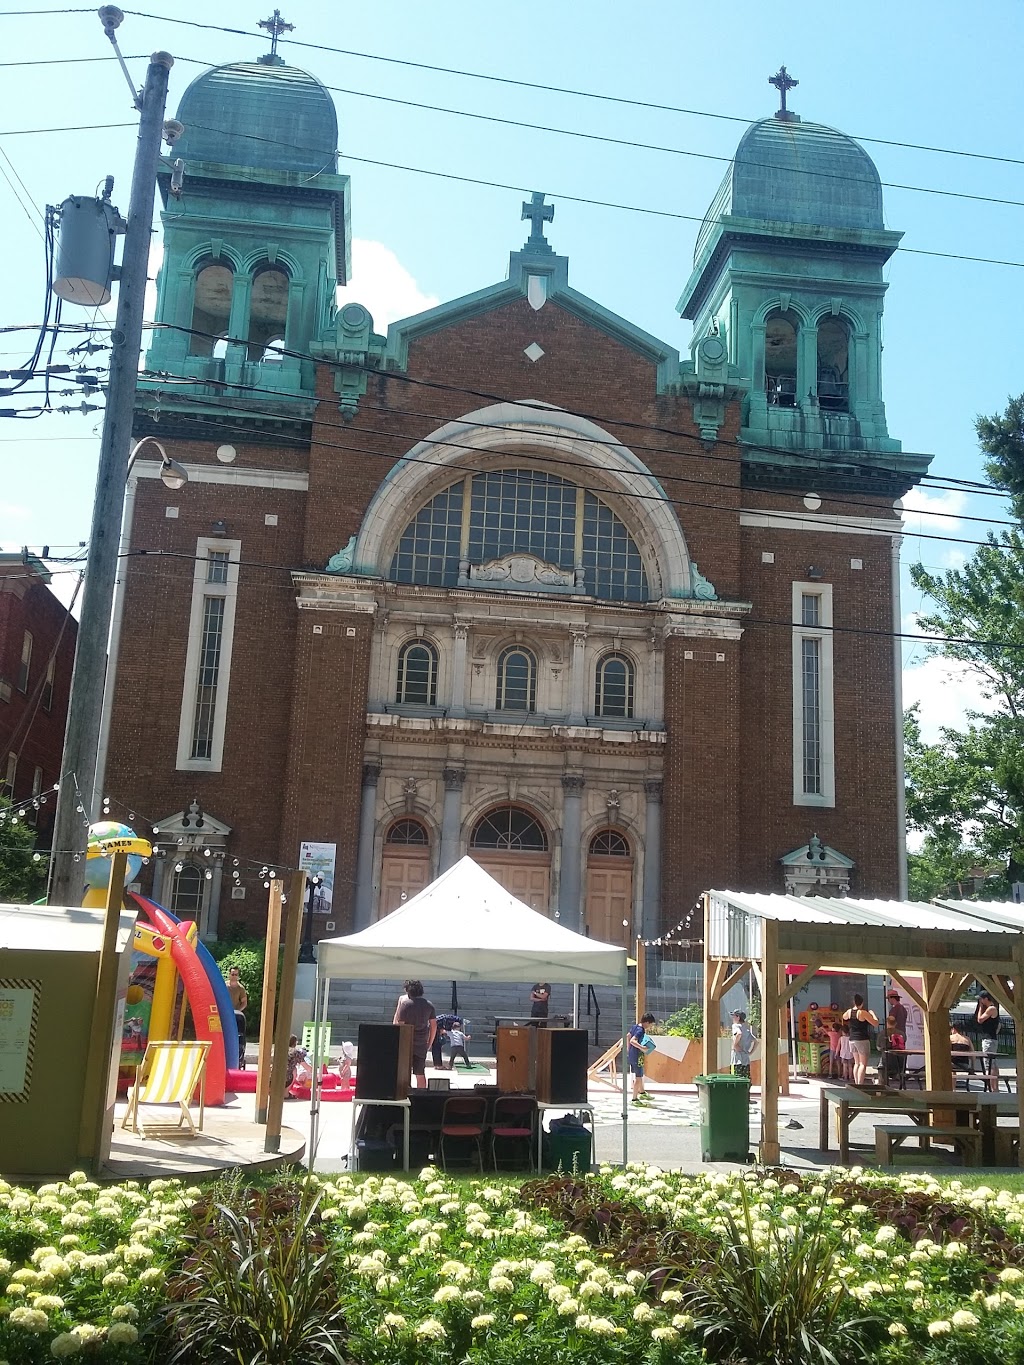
317 860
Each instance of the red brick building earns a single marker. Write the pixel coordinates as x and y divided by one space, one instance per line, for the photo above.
515 579
37 654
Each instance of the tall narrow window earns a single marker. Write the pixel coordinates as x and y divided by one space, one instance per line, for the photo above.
268 311
813 709
187 892
47 698
37 781
11 774
780 360
417 674
25 667
208 660
211 308
613 693
517 681
833 365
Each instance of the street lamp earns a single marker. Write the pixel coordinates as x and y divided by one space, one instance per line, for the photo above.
306 953
172 474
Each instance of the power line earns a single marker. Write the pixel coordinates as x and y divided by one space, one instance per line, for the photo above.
814 460
559 89
67 128
69 61
664 478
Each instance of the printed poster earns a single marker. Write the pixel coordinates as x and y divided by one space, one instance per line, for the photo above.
18 1012
318 861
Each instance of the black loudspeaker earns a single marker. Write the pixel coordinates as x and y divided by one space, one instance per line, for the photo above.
384 1063
562 1058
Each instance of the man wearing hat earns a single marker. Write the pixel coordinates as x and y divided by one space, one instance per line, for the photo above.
898 1011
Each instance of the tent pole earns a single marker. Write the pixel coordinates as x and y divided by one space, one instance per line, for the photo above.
624 1067
319 1010
576 1006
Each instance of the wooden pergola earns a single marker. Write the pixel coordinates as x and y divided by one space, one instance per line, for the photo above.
950 944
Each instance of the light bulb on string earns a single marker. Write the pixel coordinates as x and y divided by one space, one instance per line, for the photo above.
178 867
267 885
37 857
209 876
131 815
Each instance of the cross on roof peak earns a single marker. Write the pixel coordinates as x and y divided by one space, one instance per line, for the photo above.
783 82
275 26
538 213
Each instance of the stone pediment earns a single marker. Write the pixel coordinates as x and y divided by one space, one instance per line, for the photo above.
520 573
817 869
191 828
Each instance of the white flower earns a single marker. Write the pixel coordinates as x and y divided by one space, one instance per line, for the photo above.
897 1329
115 1279
500 1284
125 1312
683 1321
671 1296
482 1321
31 1319
1011 1275
939 1329
603 1327
431 1330
964 1319
65 1345
122 1334
643 1312
666 1334
448 1293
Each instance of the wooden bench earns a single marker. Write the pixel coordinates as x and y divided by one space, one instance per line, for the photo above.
888 1137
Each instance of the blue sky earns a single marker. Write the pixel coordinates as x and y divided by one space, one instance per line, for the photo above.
905 73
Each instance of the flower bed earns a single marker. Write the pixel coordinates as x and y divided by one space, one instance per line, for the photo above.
634 1266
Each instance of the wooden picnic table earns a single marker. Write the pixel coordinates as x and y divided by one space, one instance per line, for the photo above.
850 1100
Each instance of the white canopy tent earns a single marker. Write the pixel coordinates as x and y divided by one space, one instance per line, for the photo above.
466 926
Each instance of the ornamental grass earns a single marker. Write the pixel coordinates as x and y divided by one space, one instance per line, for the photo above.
636 1265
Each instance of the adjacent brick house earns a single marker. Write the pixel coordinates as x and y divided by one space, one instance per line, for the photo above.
37 654
514 579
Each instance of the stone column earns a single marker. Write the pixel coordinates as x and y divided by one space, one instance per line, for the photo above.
458 703
212 928
364 857
570 898
451 817
650 913
577 676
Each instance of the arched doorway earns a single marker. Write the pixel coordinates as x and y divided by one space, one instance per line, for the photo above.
405 866
510 844
610 888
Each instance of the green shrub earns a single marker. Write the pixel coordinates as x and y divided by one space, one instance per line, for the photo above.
687 1022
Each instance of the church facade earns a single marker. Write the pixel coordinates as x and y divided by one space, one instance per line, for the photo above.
514 579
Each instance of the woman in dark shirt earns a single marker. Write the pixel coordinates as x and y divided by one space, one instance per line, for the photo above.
861 1021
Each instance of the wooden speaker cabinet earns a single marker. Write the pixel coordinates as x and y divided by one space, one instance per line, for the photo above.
384 1064
562 1057
516 1056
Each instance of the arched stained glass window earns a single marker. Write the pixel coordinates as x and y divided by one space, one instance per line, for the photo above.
609 843
417 674
408 832
522 511
517 680
509 827
613 693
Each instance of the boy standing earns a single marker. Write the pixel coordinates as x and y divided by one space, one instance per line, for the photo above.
641 1044
457 1039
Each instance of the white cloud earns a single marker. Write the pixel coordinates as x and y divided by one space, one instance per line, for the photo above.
922 508
946 690
383 285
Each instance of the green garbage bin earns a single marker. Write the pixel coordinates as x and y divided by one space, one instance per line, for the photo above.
724 1117
568 1150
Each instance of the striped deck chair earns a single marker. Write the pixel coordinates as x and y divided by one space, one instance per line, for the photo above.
170 1073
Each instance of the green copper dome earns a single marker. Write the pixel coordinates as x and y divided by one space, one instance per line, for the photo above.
262 115
785 171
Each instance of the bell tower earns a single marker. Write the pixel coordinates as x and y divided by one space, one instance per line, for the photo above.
788 273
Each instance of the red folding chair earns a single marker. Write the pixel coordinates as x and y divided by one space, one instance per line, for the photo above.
513 1122
464 1119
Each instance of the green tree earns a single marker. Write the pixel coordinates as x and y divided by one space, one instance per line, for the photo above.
22 877
966 793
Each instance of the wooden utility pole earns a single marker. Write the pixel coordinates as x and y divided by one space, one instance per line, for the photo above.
270 962
285 1001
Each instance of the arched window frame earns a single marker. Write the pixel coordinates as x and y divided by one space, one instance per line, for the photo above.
522 823
784 390
505 699
402 682
192 903
394 837
256 345
833 388
602 704
208 332
609 843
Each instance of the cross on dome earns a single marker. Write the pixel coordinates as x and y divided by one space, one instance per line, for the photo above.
783 82
538 214
275 26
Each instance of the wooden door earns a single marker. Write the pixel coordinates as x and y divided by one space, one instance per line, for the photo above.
526 876
404 872
610 899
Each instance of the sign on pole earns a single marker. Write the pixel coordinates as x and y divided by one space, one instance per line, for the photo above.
317 860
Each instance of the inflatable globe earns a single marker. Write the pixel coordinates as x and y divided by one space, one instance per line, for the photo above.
106 838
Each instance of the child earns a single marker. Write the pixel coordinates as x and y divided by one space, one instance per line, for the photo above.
457 1039
641 1045
835 1042
299 1071
743 1041
846 1053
